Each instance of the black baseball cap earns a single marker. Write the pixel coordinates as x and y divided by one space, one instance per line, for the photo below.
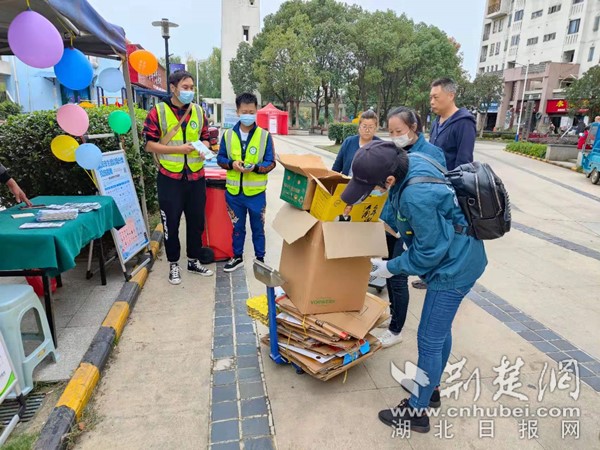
371 166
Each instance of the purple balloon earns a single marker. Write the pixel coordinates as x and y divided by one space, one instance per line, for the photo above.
34 40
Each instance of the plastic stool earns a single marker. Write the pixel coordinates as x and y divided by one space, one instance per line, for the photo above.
15 301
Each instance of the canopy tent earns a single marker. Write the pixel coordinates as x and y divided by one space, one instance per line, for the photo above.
80 24
273 119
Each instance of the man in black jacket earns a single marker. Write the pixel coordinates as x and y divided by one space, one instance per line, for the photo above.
5 178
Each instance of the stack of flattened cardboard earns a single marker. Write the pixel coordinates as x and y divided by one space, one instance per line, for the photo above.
326 345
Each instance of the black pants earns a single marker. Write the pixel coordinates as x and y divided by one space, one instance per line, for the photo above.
176 197
397 288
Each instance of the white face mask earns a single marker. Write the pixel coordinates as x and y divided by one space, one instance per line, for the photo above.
401 141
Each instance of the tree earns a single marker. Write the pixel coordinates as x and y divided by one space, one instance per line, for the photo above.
173 59
208 75
485 89
241 72
584 93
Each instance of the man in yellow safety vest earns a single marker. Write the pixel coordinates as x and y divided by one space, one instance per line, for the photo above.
248 155
170 129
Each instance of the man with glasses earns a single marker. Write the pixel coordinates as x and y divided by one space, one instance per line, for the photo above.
366 133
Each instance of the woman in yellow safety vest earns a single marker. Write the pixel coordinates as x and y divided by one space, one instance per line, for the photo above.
170 129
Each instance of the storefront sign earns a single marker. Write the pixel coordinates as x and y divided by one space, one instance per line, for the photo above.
557 106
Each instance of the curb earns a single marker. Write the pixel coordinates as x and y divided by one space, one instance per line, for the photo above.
573 169
78 392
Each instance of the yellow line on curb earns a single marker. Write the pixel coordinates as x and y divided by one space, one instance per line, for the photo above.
154 248
140 277
117 317
80 387
160 228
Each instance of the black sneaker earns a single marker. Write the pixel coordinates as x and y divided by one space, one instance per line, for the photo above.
396 417
174 273
419 284
233 264
434 402
194 266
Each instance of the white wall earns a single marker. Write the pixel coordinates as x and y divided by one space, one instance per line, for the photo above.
236 14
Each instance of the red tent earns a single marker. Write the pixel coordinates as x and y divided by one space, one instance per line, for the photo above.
272 119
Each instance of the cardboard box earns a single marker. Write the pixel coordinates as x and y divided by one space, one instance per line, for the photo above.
326 265
327 204
299 186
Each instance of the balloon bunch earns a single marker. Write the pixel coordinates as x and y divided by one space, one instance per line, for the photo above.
36 41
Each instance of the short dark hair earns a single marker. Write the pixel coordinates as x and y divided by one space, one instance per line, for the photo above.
369 114
179 75
447 84
408 116
246 98
402 168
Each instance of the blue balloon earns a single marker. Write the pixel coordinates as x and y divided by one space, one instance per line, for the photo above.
88 156
74 70
111 80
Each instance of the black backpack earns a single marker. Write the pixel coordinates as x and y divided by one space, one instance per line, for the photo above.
481 196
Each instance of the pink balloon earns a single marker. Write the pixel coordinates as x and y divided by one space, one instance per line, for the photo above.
73 119
34 40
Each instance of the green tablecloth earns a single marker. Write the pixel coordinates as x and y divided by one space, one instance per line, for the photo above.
54 249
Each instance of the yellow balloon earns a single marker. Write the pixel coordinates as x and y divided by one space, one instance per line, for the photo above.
63 147
143 62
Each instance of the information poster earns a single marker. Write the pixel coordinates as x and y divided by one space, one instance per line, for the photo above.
230 117
114 180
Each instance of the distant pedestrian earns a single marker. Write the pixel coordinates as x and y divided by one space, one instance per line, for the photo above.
367 127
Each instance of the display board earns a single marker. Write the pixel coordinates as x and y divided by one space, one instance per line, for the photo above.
114 180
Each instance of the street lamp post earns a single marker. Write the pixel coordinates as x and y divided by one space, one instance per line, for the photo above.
164 24
522 102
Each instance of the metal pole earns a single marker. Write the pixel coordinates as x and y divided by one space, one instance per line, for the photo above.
167 64
197 87
522 102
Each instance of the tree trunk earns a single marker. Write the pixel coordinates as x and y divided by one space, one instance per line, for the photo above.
326 100
298 114
483 124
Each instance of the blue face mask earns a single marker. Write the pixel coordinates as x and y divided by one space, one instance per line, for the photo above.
377 193
186 97
247 119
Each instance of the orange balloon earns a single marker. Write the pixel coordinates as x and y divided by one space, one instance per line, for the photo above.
144 62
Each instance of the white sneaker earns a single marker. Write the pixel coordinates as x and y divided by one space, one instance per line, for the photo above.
174 273
385 323
389 339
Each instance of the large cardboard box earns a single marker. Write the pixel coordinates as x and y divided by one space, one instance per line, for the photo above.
299 186
326 265
327 204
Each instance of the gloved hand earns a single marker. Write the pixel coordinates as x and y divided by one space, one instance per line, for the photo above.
380 268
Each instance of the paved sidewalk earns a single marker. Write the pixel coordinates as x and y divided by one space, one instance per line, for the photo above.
187 372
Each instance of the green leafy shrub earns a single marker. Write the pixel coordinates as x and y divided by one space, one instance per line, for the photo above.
528 148
8 109
25 151
340 131
504 135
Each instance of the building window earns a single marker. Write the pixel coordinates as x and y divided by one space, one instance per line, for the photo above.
509 20
495 26
506 45
591 54
577 1
569 56
246 34
492 49
500 24
554 9
486 31
515 40
483 56
574 26
536 14
549 37
519 15
532 41
596 23
497 48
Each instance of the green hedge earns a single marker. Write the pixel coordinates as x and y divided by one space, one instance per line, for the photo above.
505 136
340 131
8 109
25 151
528 148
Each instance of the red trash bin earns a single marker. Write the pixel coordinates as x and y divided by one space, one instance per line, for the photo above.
218 229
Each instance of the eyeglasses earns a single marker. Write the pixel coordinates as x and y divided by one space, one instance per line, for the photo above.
366 128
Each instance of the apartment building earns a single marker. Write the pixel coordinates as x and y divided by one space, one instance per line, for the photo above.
559 40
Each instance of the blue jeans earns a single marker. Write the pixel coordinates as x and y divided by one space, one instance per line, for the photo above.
397 288
240 207
434 338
